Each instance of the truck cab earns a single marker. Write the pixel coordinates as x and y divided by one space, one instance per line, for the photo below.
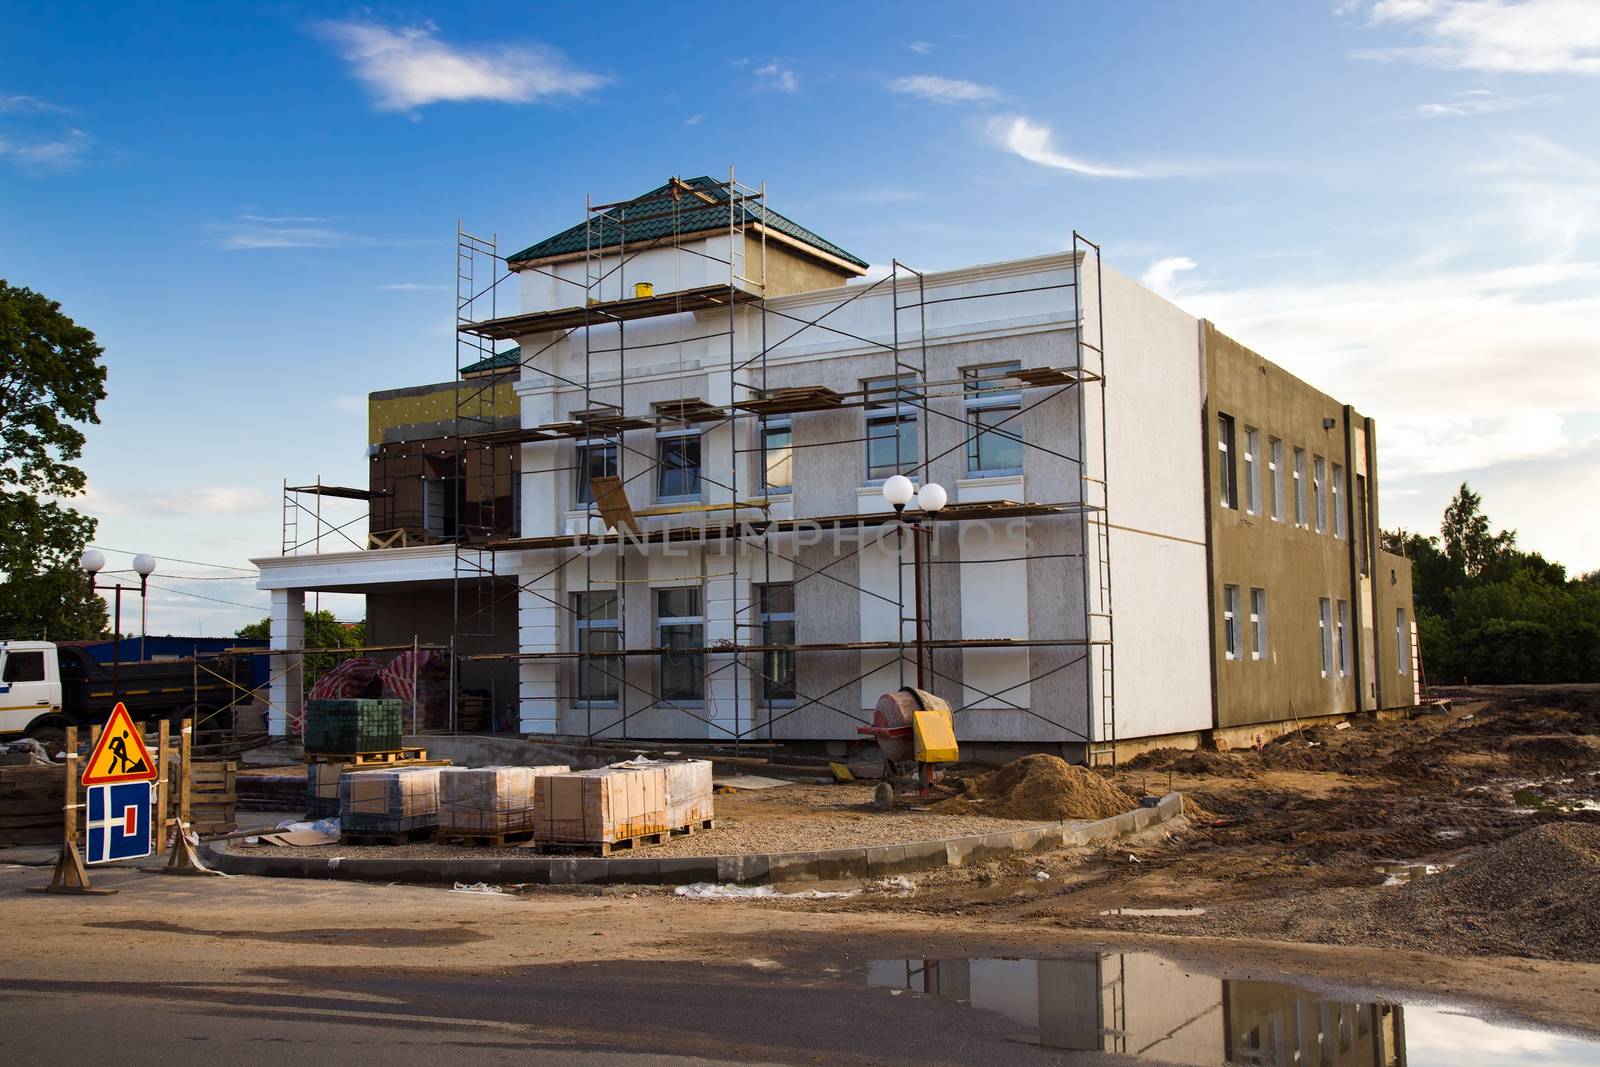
30 691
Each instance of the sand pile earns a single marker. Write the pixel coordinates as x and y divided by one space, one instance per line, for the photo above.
1040 788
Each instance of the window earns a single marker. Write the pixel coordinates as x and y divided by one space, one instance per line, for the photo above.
594 623
678 465
1258 624
1252 470
777 455
994 428
1325 634
1299 487
1335 493
1363 529
1319 482
441 499
1230 621
891 426
1275 478
679 627
1227 484
1344 638
24 667
1401 651
596 459
775 602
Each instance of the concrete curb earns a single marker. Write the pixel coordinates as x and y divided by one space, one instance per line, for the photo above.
876 861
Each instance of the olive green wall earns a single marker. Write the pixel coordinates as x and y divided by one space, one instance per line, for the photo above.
1295 565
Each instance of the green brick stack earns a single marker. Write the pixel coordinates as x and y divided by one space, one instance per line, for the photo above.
345 727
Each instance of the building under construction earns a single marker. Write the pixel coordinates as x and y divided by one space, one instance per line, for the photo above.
650 503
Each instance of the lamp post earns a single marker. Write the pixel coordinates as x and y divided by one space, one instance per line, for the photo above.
144 565
899 491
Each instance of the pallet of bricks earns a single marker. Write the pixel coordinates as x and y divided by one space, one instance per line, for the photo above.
622 806
392 806
212 797
31 799
489 806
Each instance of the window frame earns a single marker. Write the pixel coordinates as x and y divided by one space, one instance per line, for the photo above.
1336 497
670 438
772 692
661 623
1227 474
585 622
1343 624
1325 633
1252 470
26 655
1230 622
1302 518
1275 477
981 395
776 424
1258 623
581 496
1319 481
1402 647
891 409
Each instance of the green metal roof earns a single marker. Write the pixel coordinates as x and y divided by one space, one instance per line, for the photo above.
693 216
499 361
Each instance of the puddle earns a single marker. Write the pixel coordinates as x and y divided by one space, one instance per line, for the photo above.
1149 1008
1157 913
363 937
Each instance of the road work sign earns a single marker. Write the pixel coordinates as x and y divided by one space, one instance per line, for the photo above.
121 755
118 827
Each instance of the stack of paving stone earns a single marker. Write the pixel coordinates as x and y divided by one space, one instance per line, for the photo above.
601 807
488 801
689 800
400 801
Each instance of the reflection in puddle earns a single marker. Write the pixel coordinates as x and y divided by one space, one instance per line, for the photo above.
1145 1006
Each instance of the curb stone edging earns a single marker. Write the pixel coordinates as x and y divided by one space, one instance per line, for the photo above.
875 861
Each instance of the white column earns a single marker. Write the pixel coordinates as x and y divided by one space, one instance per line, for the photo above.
538 680
288 630
728 688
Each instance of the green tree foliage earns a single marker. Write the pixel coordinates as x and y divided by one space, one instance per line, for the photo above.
51 381
1489 612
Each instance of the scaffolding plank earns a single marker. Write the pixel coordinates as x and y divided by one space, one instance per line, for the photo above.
342 491
707 297
612 500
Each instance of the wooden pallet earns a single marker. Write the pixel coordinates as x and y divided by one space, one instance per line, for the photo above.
606 848
479 839
368 759
393 837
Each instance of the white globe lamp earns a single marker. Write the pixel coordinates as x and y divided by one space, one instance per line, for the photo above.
144 564
898 491
932 497
92 561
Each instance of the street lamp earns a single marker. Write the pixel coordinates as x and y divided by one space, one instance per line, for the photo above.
899 491
144 565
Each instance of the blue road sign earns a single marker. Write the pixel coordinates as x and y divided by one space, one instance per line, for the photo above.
118 827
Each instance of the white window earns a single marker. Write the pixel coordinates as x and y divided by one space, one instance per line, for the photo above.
1258 624
994 423
441 507
594 624
1275 478
1325 634
1227 477
1344 638
1335 493
1230 621
777 455
775 601
1252 470
1300 487
596 459
891 412
1402 647
678 465
1319 482
680 630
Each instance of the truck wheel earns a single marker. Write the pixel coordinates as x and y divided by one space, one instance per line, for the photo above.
53 738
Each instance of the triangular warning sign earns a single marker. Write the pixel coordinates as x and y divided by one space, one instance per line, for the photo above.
121 755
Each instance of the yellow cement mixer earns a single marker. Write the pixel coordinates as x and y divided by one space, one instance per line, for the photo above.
913 725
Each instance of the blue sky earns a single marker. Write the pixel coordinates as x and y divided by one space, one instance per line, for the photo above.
254 207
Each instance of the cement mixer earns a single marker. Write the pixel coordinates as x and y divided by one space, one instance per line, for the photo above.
913 725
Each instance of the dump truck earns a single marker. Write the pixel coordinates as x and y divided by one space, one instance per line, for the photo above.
46 687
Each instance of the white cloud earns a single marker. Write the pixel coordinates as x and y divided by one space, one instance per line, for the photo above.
778 77
255 232
350 405
409 67
1035 142
48 154
412 287
921 48
22 104
1479 102
944 90
694 120
1527 37
200 500
1162 275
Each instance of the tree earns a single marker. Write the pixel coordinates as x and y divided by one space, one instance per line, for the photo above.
1467 540
322 631
52 378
